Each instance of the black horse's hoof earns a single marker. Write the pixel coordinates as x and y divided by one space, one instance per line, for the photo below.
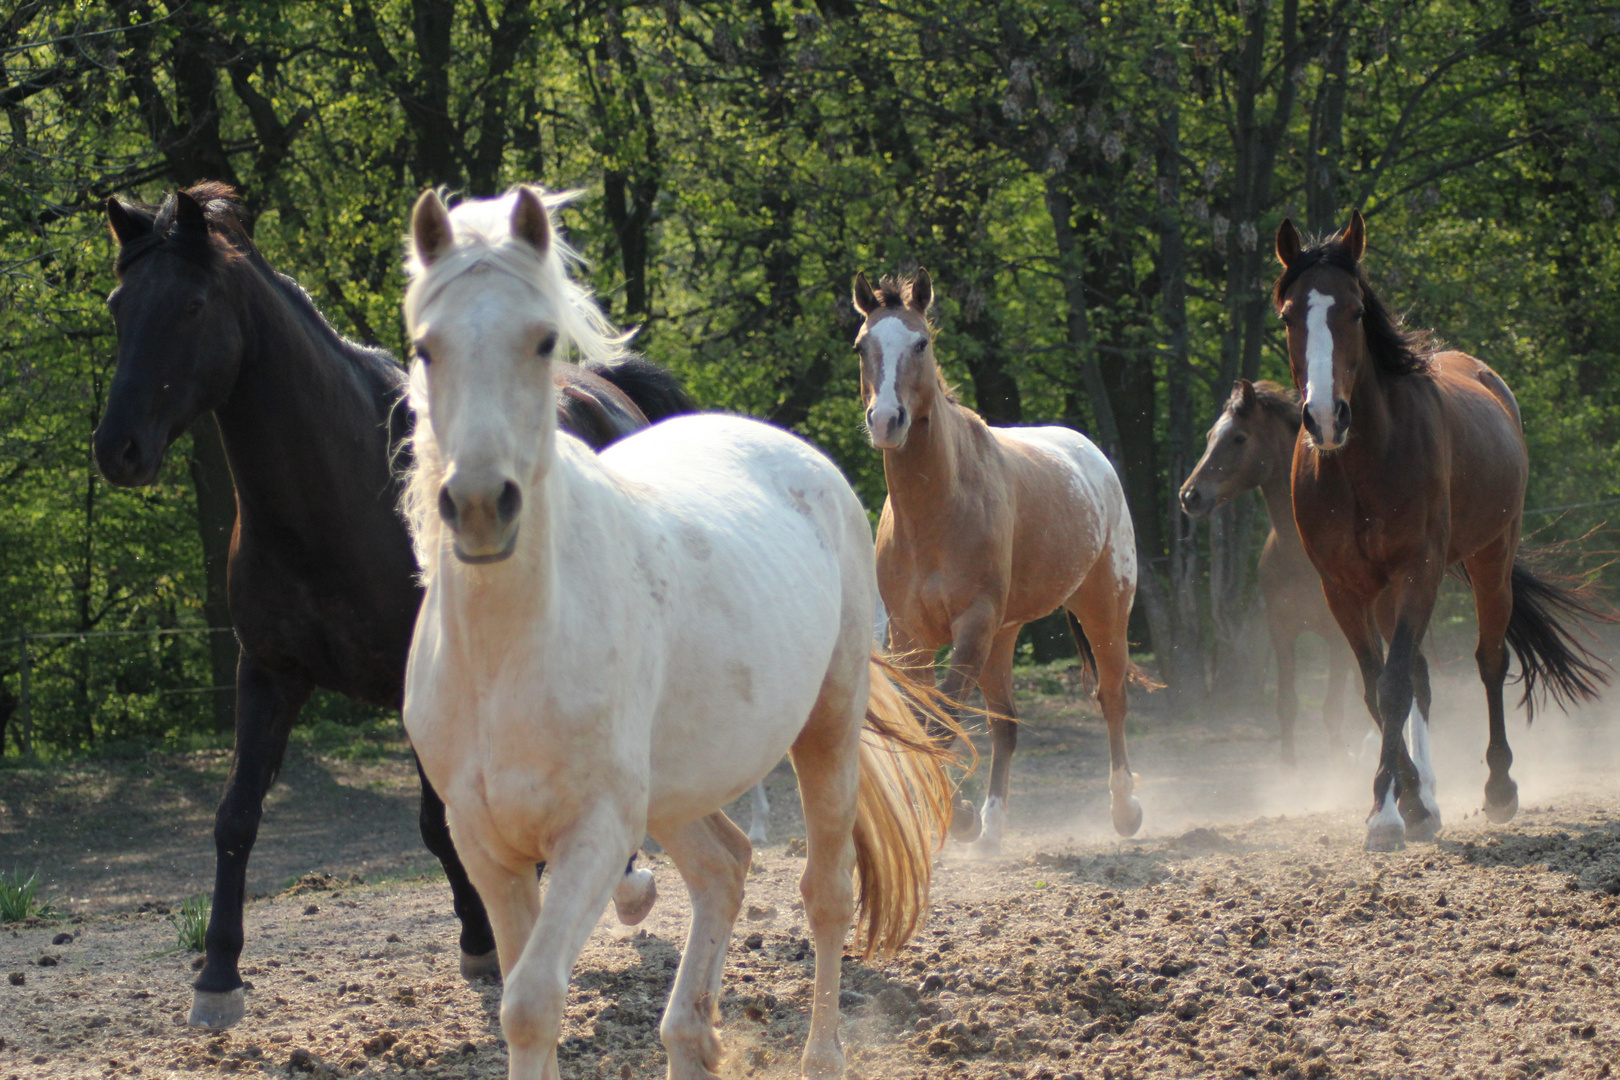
1386 837
964 822
1502 813
475 968
217 1010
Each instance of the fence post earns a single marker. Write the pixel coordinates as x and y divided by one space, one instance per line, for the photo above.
23 704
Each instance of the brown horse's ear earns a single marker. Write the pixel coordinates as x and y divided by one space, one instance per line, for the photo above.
530 221
1287 243
126 225
430 228
920 293
1354 236
188 214
1243 393
865 299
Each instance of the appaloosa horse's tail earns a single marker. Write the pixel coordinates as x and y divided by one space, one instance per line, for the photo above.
656 392
1088 662
1551 658
905 802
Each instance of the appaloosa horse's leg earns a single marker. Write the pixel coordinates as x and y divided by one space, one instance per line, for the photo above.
1491 573
712 856
995 681
266 706
478 959
1102 608
972 634
1284 635
911 656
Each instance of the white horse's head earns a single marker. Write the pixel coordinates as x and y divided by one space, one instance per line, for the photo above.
490 306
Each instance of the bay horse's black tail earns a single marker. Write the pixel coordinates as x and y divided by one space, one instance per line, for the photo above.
1551 659
656 391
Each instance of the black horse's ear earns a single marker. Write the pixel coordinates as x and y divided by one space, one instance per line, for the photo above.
188 214
530 221
126 225
920 293
1287 243
430 228
865 299
1354 237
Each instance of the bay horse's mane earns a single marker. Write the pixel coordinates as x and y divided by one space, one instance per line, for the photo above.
1395 350
1271 398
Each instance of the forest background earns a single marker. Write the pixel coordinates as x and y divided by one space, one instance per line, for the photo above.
1093 185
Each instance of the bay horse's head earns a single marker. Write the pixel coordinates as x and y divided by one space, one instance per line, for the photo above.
490 305
899 379
1253 436
179 331
1338 329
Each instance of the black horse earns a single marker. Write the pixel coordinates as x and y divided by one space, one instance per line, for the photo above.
322 582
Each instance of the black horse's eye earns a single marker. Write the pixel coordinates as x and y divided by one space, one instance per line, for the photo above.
548 345
194 306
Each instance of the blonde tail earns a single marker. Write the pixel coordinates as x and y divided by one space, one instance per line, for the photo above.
904 806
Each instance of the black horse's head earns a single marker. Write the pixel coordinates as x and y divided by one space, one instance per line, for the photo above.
180 337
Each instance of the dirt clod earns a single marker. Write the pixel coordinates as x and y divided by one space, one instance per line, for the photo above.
16 978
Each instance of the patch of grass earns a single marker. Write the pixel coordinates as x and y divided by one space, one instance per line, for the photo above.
20 899
191 923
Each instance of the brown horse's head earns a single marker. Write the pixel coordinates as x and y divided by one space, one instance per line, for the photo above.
179 335
1336 325
900 382
1253 436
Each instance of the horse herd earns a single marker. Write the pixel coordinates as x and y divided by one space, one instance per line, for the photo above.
606 615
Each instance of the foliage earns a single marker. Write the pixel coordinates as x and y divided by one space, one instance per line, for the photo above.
1093 186
190 923
20 899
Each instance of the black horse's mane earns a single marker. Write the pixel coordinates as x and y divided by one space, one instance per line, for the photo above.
1395 350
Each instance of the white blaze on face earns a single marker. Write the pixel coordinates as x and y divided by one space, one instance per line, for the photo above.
891 342
1319 362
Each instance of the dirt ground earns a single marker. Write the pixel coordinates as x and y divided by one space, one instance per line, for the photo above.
1243 933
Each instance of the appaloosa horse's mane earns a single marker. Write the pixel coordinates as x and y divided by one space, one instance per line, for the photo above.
1396 349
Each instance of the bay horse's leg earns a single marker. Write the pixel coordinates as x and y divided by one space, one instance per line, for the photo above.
996 682
826 757
1333 703
1490 573
266 706
1284 636
587 861
1102 609
1422 759
1397 787
712 856
478 959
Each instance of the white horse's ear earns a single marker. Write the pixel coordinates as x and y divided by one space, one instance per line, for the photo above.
1354 236
530 221
430 228
920 293
865 299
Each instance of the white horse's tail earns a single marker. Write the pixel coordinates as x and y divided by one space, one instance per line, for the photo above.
905 803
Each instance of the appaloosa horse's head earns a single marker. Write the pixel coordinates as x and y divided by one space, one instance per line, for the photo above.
900 382
1337 327
180 336
1253 436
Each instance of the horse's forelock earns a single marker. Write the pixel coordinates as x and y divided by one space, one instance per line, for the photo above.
891 293
225 240
1395 349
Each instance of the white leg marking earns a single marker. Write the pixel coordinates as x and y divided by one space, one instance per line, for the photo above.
1387 814
757 827
1319 362
1418 730
994 819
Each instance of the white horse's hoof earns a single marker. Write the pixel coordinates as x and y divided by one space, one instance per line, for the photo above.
1386 837
758 837
474 968
217 1010
635 895
1127 817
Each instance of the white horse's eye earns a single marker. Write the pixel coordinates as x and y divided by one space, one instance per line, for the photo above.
422 354
548 345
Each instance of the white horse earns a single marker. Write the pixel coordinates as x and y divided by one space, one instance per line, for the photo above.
624 644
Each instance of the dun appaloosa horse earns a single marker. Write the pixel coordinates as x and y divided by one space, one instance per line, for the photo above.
625 643
323 585
1411 462
985 529
1251 445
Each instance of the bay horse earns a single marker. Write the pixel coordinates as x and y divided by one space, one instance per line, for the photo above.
322 583
623 644
985 529
1411 461
1251 445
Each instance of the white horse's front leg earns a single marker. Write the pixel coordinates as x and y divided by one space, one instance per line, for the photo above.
586 864
712 856
757 834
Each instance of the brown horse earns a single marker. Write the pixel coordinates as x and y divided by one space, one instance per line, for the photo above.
986 529
1431 476
1251 445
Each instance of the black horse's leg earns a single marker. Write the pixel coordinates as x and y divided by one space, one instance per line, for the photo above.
478 960
266 705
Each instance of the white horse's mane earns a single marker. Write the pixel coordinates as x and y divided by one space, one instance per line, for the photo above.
481 235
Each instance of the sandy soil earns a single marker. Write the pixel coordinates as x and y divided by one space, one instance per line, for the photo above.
1244 933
